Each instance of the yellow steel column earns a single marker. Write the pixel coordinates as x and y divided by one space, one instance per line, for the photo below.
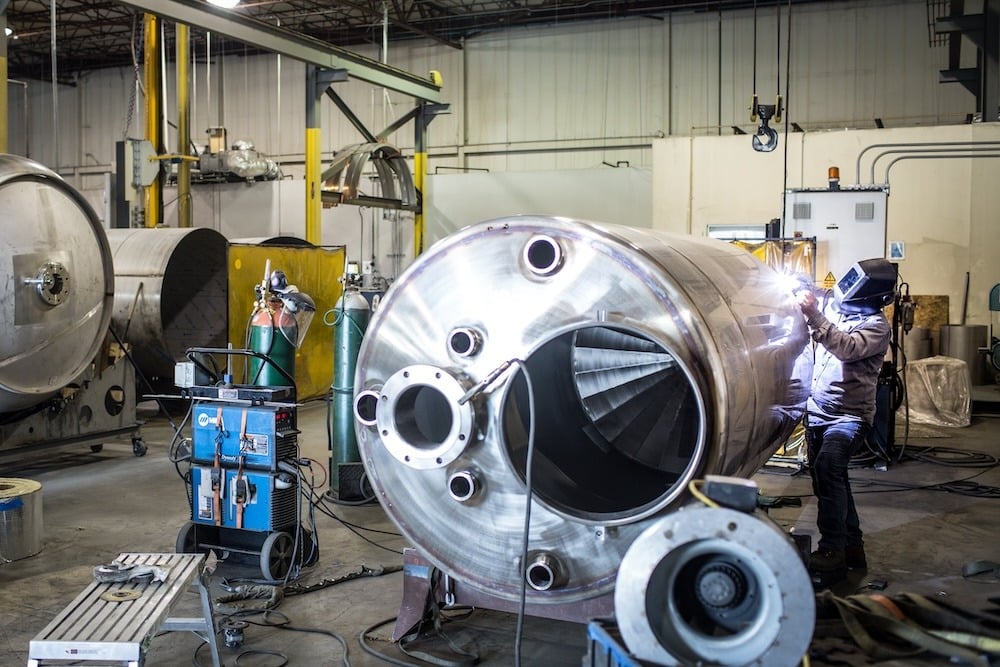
183 129
419 170
314 172
314 201
151 63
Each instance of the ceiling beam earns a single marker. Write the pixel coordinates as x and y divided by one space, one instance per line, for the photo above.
400 22
294 45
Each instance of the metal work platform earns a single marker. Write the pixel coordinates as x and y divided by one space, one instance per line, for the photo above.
113 623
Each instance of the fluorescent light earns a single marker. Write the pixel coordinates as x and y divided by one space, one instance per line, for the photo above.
9 31
225 4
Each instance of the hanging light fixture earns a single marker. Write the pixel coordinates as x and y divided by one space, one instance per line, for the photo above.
225 4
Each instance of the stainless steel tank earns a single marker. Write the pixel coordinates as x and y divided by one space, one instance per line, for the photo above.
653 360
170 293
55 266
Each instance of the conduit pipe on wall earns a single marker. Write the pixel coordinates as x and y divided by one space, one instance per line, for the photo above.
932 153
922 156
957 145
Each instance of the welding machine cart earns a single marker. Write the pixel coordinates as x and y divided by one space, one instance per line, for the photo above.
245 487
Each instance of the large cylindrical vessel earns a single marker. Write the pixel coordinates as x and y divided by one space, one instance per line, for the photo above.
55 266
653 360
170 293
968 342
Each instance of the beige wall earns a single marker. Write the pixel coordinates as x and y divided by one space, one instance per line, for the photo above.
945 210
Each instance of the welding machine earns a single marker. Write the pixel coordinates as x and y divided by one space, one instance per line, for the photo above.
245 487
244 476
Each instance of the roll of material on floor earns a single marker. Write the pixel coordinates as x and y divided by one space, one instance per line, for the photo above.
963 341
20 518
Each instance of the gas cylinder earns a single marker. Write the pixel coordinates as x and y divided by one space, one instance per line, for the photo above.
350 319
267 335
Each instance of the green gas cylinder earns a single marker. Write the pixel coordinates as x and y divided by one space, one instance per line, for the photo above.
269 334
350 319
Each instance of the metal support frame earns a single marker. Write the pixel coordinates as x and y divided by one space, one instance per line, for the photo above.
983 30
318 80
426 112
989 99
339 182
288 43
325 64
350 115
419 590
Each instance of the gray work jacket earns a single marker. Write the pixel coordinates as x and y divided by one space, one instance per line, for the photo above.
849 354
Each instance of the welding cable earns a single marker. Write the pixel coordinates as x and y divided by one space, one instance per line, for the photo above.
368 500
962 487
362 572
173 452
354 529
318 501
286 624
954 458
313 462
277 654
218 475
522 569
139 374
313 555
362 640
694 488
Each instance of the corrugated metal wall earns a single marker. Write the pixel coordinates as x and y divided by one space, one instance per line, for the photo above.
565 96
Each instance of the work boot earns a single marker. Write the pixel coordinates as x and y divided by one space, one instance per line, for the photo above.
854 557
827 567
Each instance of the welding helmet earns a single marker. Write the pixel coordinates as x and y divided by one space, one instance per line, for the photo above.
298 310
867 287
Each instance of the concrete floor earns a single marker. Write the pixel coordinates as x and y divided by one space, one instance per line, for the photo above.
100 504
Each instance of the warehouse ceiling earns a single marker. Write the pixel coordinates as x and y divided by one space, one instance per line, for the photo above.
93 34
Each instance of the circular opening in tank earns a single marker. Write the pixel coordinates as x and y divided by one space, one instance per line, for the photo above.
540 576
619 426
464 342
365 407
543 255
423 416
462 486
114 401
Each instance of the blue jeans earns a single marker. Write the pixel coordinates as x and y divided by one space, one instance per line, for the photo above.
830 450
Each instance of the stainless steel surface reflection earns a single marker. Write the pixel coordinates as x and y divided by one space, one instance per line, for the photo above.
170 293
654 359
58 283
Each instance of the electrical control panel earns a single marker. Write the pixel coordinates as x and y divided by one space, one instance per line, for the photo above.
247 499
259 435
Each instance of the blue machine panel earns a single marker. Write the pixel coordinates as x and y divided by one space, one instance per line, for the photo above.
262 435
268 503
